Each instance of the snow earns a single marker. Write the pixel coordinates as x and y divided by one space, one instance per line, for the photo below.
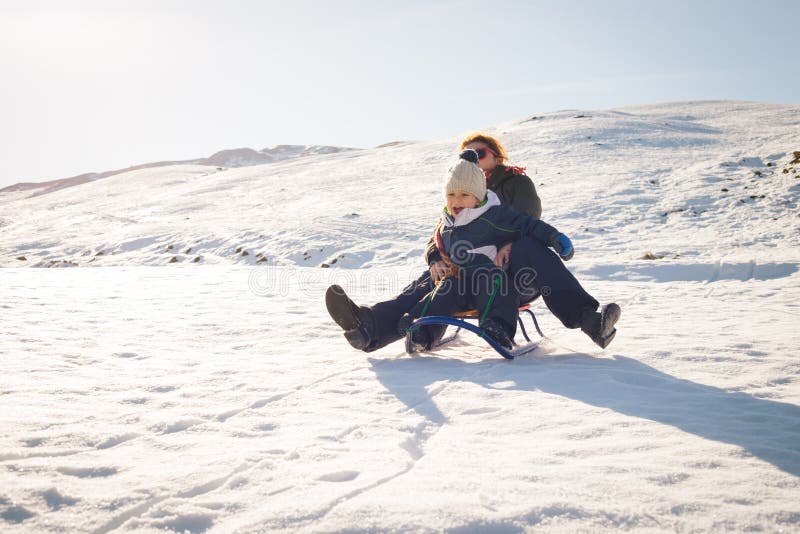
237 157
143 395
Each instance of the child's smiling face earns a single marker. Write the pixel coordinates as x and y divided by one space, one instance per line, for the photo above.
458 200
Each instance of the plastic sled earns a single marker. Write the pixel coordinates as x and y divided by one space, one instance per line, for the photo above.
459 320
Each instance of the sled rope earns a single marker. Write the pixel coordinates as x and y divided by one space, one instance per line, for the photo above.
496 280
428 301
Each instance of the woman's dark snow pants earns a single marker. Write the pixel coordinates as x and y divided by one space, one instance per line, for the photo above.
533 268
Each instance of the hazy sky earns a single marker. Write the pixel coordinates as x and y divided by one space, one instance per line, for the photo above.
97 85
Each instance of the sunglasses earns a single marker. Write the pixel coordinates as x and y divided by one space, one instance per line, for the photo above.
483 152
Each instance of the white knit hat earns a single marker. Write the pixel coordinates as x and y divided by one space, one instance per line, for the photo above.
467 176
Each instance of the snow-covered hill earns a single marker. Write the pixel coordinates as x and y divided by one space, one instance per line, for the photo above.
691 182
212 393
238 157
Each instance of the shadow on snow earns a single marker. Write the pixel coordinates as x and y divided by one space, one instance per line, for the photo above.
767 429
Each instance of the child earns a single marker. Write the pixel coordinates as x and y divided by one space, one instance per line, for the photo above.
473 225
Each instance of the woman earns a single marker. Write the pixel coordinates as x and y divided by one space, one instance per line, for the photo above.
471 228
532 268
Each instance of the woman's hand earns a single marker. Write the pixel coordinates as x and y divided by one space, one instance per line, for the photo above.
438 270
503 255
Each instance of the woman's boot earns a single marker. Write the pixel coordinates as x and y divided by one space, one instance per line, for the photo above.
599 326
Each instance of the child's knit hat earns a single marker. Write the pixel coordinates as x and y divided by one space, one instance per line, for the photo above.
467 176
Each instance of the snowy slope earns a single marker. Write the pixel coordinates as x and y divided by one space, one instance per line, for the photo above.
238 157
217 396
621 183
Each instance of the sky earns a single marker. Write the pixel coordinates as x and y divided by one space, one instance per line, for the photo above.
90 86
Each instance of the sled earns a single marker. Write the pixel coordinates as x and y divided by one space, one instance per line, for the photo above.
459 320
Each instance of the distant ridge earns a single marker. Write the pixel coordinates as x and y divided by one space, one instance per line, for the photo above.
236 157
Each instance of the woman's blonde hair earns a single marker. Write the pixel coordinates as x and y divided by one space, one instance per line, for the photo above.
488 140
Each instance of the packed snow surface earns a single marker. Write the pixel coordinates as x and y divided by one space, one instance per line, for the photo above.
183 375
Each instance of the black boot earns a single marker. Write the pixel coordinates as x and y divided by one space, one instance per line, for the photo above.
421 338
497 332
356 321
600 326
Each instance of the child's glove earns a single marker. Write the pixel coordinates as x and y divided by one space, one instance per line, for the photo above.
563 246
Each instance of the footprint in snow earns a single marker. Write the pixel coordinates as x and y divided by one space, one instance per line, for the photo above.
178 426
129 355
88 472
238 482
162 389
16 514
339 476
135 400
116 440
224 416
587 434
55 500
197 522
670 479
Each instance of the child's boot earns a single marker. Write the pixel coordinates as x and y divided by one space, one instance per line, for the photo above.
421 338
497 332
599 326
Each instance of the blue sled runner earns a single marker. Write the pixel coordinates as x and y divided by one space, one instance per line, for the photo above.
460 322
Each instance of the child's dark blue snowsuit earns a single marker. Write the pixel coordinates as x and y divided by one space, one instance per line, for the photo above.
468 243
